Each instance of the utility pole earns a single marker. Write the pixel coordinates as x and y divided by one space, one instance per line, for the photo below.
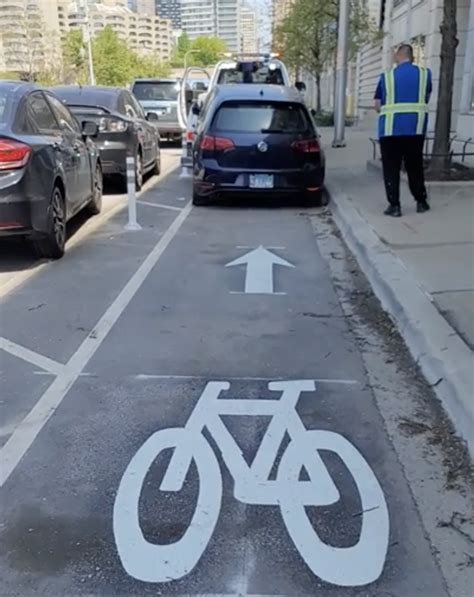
86 34
341 82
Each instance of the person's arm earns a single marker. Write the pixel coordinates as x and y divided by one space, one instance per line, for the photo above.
429 87
378 98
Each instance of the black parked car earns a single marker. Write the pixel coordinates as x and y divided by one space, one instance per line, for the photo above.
49 167
124 130
257 140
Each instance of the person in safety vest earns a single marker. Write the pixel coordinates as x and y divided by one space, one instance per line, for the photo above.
401 99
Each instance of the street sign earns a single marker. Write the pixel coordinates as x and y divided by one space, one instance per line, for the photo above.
259 275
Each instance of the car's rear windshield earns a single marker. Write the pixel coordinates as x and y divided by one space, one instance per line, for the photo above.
159 91
262 75
76 96
253 117
4 105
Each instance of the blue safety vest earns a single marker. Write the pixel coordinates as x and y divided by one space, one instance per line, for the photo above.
404 92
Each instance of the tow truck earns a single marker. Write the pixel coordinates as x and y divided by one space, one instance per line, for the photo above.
261 69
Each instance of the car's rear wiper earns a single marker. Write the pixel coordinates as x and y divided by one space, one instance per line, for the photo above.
278 131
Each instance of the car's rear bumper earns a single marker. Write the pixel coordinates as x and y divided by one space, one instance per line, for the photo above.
169 128
209 181
113 156
22 213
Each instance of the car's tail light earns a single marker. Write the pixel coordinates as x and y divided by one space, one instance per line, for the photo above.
307 146
211 143
190 136
13 154
112 125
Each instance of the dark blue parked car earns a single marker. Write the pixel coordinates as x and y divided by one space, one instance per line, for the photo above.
49 167
257 140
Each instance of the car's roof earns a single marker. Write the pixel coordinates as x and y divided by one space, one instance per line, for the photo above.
87 90
252 91
88 95
156 80
17 87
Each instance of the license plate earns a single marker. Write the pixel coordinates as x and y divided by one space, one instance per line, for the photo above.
261 181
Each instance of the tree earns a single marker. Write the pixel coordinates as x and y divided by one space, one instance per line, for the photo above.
147 67
307 38
208 50
74 57
112 58
449 43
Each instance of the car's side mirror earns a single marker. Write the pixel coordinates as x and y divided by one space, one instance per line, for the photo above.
313 112
196 109
301 86
89 129
152 117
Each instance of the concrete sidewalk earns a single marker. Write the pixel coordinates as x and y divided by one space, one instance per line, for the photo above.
421 266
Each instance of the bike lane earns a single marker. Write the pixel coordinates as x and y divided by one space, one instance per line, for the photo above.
191 323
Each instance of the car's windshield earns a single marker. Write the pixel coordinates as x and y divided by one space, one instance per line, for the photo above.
263 74
159 91
253 117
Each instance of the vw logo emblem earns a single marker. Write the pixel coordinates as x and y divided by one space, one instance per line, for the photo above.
262 146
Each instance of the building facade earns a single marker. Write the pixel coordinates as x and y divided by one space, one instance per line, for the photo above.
169 9
146 34
418 22
29 36
228 23
249 41
198 17
214 18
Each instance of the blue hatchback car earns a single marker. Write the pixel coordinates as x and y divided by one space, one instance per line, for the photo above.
257 141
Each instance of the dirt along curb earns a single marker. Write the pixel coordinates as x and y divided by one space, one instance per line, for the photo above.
444 358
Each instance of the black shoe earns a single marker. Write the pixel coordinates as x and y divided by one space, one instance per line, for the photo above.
394 211
422 207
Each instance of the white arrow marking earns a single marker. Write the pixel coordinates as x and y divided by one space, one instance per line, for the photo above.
259 262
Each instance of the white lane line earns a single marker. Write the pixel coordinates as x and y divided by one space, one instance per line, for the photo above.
88 228
160 205
34 358
144 376
27 431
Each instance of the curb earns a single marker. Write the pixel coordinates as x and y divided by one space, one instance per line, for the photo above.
444 358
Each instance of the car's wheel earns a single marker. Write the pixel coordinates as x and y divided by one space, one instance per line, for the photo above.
138 171
315 199
52 244
95 206
200 199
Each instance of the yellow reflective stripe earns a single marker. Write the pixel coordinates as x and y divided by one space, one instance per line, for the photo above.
404 107
389 100
422 90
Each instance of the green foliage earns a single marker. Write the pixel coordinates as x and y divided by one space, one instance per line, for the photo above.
203 51
116 64
112 59
208 50
74 57
307 38
184 44
8 75
145 66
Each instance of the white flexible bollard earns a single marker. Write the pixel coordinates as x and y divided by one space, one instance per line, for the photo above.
185 169
132 196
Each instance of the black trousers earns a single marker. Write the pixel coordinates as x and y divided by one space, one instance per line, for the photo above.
409 150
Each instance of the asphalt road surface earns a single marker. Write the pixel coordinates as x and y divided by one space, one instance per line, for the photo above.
191 409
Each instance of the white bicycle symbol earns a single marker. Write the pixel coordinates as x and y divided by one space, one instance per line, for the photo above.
357 565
